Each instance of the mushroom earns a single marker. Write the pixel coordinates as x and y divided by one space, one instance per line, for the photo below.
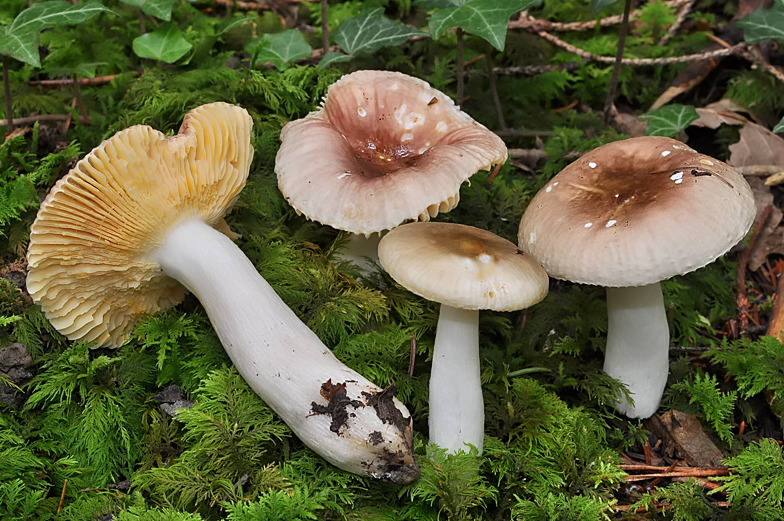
465 269
626 216
139 220
384 148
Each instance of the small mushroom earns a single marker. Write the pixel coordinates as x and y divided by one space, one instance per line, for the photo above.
385 148
140 219
465 269
626 216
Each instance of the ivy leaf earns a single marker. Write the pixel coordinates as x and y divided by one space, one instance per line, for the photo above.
157 8
763 24
669 120
22 47
165 44
486 18
332 57
282 48
20 39
370 30
779 126
52 14
598 5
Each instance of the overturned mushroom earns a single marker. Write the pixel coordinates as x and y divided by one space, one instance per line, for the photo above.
139 220
626 216
385 148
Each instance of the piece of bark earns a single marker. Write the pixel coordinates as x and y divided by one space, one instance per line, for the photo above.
683 438
776 323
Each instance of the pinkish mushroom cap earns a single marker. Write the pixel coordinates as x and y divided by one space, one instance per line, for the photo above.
385 148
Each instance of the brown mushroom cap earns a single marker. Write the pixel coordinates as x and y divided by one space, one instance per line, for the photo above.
89 254
462 266
385 148
635 212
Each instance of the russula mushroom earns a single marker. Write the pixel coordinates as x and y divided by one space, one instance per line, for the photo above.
465 269
626 216
139 220
384 148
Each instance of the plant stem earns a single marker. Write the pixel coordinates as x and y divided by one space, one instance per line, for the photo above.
608 104
493 89
324 27
459 67
9 105
78 94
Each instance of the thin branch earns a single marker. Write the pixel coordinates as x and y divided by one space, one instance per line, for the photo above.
9 106
67 82
682 14
324 27
616 72
499 110
459 67
43 117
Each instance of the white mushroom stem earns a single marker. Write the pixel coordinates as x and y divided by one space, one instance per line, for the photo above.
362 251
457 412
638 341
362 430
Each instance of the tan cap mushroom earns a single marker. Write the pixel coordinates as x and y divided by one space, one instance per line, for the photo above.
628 215
89 254
465 269
385 148
136 222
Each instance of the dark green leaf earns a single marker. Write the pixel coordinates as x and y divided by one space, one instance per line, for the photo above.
437 4
668 121
371 30
52 14
598 5
764 24
332 57
22 47
485 18
157 8
165 44
283 48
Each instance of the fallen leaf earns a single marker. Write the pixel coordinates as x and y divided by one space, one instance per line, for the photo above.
757 146
683 438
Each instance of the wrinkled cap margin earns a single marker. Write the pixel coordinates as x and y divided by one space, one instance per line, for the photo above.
462 266
385 148
635 212
89 263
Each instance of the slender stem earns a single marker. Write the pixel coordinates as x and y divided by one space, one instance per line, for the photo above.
499 111
9 105
638 340
334 410
142 23
608 104
78 94
459 67
456 404
324 27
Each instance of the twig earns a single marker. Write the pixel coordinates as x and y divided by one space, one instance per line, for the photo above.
514 133
459 67
67 82
587 56
694 473
499 110
742 300
412 355
682 14
43 117
760 170
324 27
609 102
62 496
9 106
253 6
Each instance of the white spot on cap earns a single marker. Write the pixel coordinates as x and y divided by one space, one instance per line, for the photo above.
400 113
588 225
676 176
408 136
485 258
422 150
666 153
678 181
441 127
679 147
592 164
548 189
344 174
532 237
610 223
706 162
362 112
394 86
617 195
